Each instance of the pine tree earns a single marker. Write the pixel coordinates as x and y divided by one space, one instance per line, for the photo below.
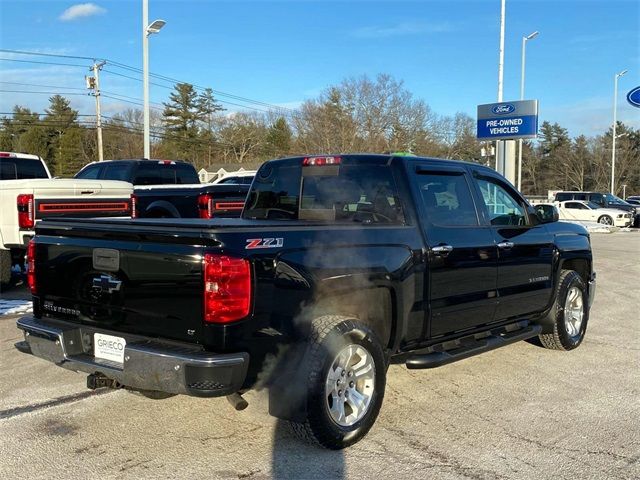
59 120
180 118
207 108
279 138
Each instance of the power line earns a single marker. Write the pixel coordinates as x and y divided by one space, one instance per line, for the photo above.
44 93
43 63
43 86
158 76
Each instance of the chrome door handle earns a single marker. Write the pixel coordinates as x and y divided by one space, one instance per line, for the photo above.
505 245
441 250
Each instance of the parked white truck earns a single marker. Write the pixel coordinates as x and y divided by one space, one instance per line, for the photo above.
28 194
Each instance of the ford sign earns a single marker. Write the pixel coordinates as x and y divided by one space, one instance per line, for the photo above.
503 109
633 97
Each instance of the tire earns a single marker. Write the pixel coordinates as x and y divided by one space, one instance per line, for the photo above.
5 267
605 220
331 336
567 334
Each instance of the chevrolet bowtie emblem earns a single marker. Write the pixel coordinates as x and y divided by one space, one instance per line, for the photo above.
106 283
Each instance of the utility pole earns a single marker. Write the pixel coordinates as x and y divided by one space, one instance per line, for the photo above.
500 145
94 84
613 136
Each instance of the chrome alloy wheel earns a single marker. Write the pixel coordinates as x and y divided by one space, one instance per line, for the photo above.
605 220
573 311
350 384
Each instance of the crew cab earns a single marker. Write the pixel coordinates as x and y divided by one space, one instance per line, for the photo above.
28 194
338 266
170 189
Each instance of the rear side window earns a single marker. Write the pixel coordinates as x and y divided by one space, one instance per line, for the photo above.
21 168
92 172
447 199
153 173
186 174
116 171
337 194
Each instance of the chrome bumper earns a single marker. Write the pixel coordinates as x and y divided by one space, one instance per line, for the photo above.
148 365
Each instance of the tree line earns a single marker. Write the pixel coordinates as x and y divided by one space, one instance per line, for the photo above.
358 115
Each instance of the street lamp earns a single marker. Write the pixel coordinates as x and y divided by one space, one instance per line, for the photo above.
613 136
531 36
147 29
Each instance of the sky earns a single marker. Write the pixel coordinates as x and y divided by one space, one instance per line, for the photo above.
283 53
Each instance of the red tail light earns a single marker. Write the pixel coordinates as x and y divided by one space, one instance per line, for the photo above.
134 205
321 161
205 206
227 288
31 267
26 212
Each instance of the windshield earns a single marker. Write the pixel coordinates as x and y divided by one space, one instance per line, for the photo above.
613 199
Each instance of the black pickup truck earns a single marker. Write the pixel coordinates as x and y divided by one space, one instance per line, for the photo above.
169 189
339 266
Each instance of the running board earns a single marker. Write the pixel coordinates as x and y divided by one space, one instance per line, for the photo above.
471 348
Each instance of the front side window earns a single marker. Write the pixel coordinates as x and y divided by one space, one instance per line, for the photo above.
116 171
89 173
576 205
502 207
447 199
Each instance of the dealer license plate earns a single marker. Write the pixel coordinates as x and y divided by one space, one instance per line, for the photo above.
109 347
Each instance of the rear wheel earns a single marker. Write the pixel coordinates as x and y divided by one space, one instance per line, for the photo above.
5 267
345 375
570 313
605 220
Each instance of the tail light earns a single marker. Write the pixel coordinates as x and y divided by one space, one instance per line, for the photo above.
26 212
205 206
227 288
134 205
31 266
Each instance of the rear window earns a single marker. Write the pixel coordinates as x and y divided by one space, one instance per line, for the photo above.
338 194
21 168
186 174
153 173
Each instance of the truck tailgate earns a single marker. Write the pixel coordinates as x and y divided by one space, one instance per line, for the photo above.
124 279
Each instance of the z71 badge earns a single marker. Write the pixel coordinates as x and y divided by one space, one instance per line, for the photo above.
253 243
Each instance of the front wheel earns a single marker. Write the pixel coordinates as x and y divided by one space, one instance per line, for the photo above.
570 313
605 220
346 376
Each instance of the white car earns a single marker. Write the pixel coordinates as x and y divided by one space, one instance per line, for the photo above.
580 210
29 194
241 177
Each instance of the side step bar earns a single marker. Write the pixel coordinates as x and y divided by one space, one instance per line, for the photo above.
471 348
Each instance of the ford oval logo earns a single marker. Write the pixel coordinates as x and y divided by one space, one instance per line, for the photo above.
503 109
633 97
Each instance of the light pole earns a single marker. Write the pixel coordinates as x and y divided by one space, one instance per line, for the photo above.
613 136
147 29
500 145
524 50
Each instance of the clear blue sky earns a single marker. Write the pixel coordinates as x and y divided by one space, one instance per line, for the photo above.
282 53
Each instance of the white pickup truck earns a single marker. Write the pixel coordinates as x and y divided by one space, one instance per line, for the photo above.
28 194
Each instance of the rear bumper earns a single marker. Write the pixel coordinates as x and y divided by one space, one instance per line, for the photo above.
148 365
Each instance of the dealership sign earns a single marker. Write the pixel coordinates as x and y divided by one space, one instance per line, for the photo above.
633 97
508 120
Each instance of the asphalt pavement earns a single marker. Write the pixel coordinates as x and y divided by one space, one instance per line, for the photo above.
519 412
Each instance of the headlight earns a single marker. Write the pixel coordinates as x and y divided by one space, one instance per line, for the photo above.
620 216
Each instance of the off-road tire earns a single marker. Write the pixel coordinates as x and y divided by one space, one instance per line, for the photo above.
329 334
5 268
558 338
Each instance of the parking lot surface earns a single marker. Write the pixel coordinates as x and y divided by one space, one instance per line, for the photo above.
519 412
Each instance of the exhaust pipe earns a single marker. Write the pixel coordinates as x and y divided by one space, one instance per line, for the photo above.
236 400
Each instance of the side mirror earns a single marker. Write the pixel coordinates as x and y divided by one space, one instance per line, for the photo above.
546 213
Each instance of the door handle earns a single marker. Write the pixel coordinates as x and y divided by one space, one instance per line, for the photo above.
441 250
505 245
